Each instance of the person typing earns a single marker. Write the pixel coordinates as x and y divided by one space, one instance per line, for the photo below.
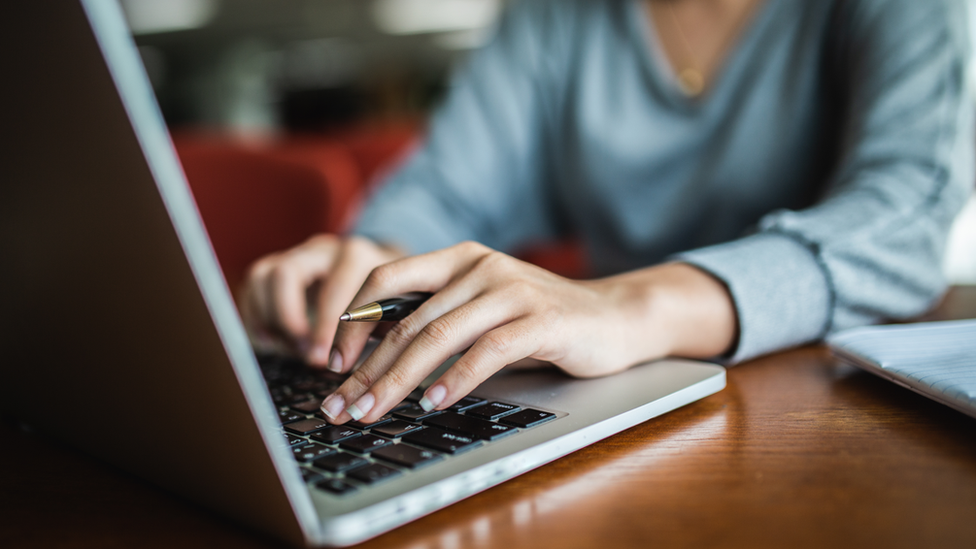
745 176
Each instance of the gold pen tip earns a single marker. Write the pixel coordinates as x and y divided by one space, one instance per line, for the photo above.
345 316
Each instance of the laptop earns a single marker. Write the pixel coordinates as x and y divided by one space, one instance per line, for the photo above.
934 359
121 338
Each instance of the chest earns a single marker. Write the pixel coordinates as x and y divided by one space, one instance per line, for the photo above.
647 164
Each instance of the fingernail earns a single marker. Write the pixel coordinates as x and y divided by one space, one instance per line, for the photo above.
433 397
333 405
319 355
362 407
335 361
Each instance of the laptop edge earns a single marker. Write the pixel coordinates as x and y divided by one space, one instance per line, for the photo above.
270 469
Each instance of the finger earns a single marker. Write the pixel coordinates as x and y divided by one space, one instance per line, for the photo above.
334 296
491 352
251 309
287 281
257 307
389 375
424 273
401 334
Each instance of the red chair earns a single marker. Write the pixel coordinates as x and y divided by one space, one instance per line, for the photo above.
254 203
257 198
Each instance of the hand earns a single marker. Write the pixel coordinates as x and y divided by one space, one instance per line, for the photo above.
326 270
503 310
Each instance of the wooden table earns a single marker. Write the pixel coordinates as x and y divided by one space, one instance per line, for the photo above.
797 451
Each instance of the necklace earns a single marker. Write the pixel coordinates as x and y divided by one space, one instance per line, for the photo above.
691 78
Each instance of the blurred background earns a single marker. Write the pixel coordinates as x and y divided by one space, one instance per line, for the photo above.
302 65
356 75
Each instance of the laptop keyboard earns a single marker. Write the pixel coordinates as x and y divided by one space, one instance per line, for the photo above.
341 459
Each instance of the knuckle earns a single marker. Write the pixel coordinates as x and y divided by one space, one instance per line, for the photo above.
402 333
361 380
467 373
438 334
280 275
319 240
357 245
491 261
496 345
260 268
274 274
471 246
381 277
397 378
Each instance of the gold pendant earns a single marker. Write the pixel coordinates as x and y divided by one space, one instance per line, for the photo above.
691 82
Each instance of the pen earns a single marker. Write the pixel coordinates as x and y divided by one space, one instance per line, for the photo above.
396 308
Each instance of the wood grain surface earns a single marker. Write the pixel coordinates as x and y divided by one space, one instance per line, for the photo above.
797 451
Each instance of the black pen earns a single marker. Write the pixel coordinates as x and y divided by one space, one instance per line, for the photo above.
396 308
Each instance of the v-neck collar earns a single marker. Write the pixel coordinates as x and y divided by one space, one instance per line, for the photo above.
662 73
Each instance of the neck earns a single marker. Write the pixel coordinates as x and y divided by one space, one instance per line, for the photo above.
697 35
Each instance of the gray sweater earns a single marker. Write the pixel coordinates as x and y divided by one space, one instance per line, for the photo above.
817 178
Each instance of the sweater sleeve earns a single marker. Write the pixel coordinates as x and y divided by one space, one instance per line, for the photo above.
872 249
480 175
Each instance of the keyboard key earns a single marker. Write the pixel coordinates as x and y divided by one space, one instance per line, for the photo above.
406 456
373 473
441 440
311 451
364 444
292 365
414 413
403 404
315 386
295 398
309 475
335 486
336 433
471 426
288 416
330 377
467 403
307 406
397 428
527 418
339 462
415 395
281 396
493 410
305 384
307 426
366 426
292 440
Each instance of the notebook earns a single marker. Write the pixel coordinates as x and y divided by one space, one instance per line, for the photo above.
120 336
935 359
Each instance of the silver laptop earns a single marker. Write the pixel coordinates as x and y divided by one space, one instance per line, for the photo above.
934 359
120 336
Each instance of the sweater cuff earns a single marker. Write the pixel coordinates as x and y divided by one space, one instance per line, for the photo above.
782 294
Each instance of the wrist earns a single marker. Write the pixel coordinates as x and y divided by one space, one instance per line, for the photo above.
674 309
